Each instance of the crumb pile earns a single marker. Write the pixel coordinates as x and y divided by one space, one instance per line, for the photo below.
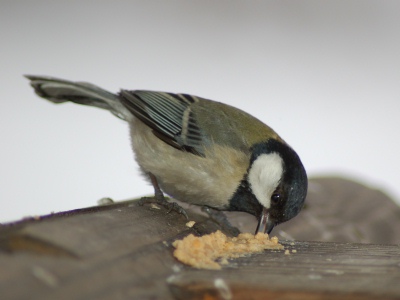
190 224
202 252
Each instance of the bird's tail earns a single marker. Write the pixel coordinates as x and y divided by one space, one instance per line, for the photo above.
59 91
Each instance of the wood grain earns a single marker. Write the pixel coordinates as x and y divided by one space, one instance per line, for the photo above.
123 251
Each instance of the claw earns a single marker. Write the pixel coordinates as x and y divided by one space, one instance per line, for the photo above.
176 207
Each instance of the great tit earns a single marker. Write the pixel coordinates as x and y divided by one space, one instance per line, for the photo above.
200 151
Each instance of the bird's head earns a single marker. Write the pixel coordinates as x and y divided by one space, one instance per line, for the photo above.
275 186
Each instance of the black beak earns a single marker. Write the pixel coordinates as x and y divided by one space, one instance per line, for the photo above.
265 225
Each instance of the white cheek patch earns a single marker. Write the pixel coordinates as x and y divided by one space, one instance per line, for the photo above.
264 176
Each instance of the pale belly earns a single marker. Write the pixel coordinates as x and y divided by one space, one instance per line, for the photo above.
210 180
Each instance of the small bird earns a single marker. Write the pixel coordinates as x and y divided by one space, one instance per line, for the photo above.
200 151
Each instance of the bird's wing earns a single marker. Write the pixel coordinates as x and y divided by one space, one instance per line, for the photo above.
169 115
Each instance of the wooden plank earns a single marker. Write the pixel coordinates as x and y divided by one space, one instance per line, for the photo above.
315 271
119 251
124 251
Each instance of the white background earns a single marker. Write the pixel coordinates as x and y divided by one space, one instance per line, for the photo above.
324 74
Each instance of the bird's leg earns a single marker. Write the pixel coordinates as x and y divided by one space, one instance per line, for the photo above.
160 199
220 218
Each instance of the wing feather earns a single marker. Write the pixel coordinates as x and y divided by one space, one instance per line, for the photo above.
169 115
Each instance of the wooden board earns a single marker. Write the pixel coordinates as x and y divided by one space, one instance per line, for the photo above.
124 251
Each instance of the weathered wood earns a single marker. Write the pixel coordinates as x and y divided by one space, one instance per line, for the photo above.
123 251
315 271
115 252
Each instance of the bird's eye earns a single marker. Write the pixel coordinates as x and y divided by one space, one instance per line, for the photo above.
275 198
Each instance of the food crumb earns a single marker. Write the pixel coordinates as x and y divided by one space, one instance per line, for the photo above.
224 261
294 251
203 252
154 206
105 201
190 224
287 252
274 239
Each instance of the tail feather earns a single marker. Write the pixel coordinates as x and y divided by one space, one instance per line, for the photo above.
60 91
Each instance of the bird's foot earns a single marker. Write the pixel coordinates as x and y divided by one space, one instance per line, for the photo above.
220 218
160 200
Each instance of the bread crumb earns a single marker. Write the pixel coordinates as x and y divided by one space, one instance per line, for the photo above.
287 252
202 252
105 201
294 251
190 224
154 206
